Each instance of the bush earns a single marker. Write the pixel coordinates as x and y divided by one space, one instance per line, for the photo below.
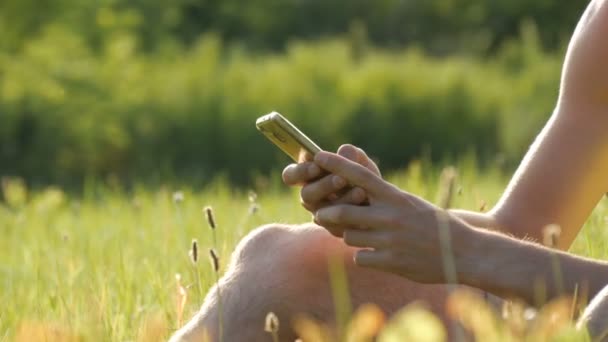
68 111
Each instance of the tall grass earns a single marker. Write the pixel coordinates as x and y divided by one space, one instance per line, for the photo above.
101 266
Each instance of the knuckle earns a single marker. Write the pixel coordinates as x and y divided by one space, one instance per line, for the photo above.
357 195
367 175
333 197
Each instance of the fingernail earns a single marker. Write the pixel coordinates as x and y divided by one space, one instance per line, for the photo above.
313 170
338 181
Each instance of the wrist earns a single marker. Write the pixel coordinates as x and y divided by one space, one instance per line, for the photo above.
507 267
470 254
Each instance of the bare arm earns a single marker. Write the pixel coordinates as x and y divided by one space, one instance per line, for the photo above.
561 179
565 172
510 267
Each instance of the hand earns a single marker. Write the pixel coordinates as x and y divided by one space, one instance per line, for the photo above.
400 232
321 189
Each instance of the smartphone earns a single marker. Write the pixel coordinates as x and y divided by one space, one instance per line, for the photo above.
287 137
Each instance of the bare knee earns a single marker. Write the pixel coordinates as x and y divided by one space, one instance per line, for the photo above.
284 269
272 269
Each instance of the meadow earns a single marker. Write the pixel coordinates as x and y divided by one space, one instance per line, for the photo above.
101 265
120 121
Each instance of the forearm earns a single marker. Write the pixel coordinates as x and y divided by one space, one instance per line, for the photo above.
509 267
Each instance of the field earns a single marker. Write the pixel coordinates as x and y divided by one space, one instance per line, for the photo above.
101 265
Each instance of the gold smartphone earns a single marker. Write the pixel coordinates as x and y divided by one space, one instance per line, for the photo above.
287 137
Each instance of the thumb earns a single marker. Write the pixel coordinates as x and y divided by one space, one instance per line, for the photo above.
350 152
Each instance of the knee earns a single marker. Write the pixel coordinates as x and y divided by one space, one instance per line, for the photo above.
286 248
270 270
595 316
261 242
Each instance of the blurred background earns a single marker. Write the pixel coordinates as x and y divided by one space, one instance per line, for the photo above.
158 91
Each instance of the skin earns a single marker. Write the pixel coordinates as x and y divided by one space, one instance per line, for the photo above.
393 242
283 269
559 182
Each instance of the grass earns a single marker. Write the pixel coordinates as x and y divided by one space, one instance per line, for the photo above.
103 265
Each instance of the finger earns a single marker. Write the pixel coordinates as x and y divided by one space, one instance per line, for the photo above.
366 161
334 230
315 192
359 156
367 238
354 173
301 173
305 156
354 195
358 216
337 231
349 152
373 258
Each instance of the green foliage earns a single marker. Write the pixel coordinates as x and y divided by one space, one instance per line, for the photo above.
102 265
69 111
441 26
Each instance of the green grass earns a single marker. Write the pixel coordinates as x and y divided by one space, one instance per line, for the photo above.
103 264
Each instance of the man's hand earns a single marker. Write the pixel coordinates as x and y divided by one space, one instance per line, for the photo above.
320 189
400 233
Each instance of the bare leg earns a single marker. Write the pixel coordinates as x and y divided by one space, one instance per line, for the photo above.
283 269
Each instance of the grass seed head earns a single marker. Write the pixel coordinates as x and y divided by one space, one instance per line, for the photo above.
194 252
551 234
215 260
178 197
272 323
209 216
253 196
